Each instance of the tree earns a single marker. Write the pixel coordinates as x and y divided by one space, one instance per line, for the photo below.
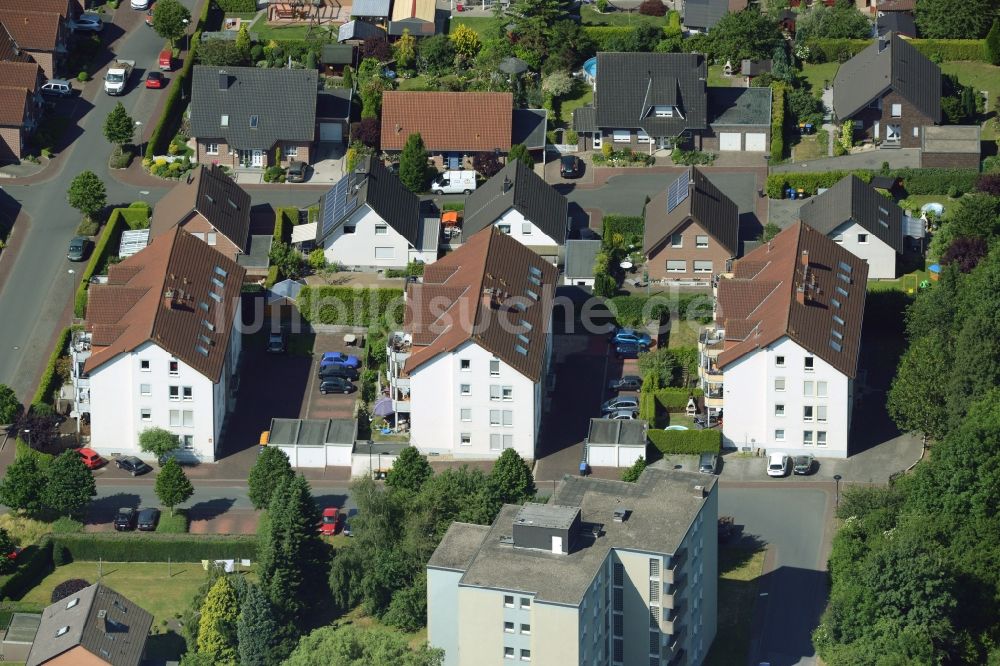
170 19
219 53
405 51
837 22
948 19
368 131
413 164
10 407
632 474
558 84
377 48
7 545
435 55
119 127
486 163
257 630
67 588
217 625
769 231
511 478
520 152
243 41
804 107
965 252
409 471
743 35
465 41
87 193
69 485
992 44
653 8
270 470
21 487
172 485
350 645
158 441
781 68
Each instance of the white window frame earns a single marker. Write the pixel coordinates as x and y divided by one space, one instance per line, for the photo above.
174 393
679 266
862 239
465 414
676 240
809 363
465 439
145 390
508 627
808 413
496 418
821 438
494 367
808 388
385 252
174 418
465 389
494 393
807 438
701 242
504 228
508 653
779 410
212 238
187 394
144 365
508 601
146 414
507 393
779 435
896 110
821 413
526 228
702 268
211 148
188 418
465 364
663 111
642 137
173 367
779 361
291 150
381 229
779 384
821 389
621 136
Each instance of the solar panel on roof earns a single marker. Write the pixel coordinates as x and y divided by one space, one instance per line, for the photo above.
678 191
334 205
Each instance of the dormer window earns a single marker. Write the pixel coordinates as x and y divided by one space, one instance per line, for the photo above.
663 111
253 122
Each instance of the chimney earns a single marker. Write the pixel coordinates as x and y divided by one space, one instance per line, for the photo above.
168 298
223 81
102 621
399 128
507 184
800 295
699 491
805 258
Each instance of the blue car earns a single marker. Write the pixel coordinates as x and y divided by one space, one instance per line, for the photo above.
631 336
339 358
628 350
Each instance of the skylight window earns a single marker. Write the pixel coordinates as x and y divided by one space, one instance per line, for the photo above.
203 305
842 291
844 278
523 338
532 295
215 297
533 280
526 325
62 631
217 282
836 346
520 350
253 122
221 271
837 334
883 210
207 324
884 223
232 204
534 270
835 302
201 350
72 602
838 320
225 121
520 306
204 338
844 266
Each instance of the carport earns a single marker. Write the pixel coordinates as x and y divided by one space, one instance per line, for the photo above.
315 442
612 443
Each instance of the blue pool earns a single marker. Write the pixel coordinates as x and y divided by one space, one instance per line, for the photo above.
590 69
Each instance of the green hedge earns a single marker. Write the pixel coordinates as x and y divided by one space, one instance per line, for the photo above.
840 50
674 399
134 217
638 310
155 547
836 50
602 34
49 382
284 220
626 225
33 564
915 181
348 306
778 91
237 6
810 182
686 441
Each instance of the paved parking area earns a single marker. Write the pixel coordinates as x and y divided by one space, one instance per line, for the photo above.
333 405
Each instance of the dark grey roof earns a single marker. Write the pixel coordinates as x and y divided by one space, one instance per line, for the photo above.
213 194
373 8
888 63
359 30
629 84
282 100
312 432
103 622
739 106
901 22
705 203
374 186
517 186
585 119
611 431
755 67
335 103
852 199
704 13
580 257
527 127
337 54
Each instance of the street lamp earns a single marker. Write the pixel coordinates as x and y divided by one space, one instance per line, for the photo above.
138 127
187 37
837 478
27 431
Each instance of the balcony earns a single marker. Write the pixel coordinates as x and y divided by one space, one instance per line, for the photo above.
711 340
673 572
672 592
713 394
670 622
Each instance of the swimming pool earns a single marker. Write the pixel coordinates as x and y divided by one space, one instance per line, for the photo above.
590 69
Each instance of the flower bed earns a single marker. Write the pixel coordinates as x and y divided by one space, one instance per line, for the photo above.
623 158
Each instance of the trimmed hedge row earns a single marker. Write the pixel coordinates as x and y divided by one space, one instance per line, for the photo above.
836 50
155 547
284 220
134 217
638 310
48 384
348 306
601 35
673 399
810 182
33 564
626 225
915 181
237 6
778 122
840 50
686 441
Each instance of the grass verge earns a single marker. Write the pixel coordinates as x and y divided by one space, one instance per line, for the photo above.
739 570
175 524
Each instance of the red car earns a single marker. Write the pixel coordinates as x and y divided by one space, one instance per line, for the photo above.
331 521
91 458
155 80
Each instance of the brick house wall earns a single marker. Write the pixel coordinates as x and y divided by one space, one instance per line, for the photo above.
199 225
909 119
585 142
224 158
689 252
11 144
46 60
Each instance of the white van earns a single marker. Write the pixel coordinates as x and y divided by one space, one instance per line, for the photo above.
454 182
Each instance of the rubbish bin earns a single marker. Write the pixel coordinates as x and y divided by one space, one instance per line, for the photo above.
788 193
802 193
791 194
583 469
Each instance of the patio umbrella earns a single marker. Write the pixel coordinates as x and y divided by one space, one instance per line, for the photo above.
383 407
513 66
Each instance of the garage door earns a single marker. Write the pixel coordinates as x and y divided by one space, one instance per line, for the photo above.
331 132
627 455
601 456
756 142
730 141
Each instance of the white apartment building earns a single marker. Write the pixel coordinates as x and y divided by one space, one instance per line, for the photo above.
160 347
607 572
469 367
780 361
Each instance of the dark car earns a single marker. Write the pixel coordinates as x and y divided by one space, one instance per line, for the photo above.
155 80
276 343
125 519
803 464
132 465
77 249
570 166
628 350
336 385
626 383
148 518
296 172
329 371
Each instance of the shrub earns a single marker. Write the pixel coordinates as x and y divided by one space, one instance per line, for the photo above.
65 525
50 380
274 174
132 547
605 37
689 157
68 588
33 564
639 310
631 228
88 227
237 6
989 183
686 441
676 399
809 182
936 181
572 137
653 8
350 306
83 77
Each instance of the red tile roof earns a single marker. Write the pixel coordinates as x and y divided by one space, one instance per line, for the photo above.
482 292
801 285
164 294
13 104
38 31
464 122
20 75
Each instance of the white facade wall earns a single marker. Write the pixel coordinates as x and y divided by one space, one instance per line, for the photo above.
880 256
437 402
751 399
359 248
526 232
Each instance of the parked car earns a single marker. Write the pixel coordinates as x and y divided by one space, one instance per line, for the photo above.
155 80
57 88
139 4
621 402
77 249
336 385
803 464
622 415
626 383
330 522
708 463
628 350
132 465
148 518
166 59
296 172
91 458
631 336
276 343
570 166
86 23
340 358
125 519
328 371
777 464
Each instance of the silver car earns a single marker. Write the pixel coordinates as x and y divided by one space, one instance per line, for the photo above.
620 402
707 463
622 415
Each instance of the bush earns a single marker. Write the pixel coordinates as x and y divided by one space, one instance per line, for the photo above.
809 182
686 441
936 181
120 159
61 557
350 306
676 399
633 311
68 588
133 547
630 227
33 564
83 77
88 227
284 220
274 174
652 8
690 157
605 37
65 525
50 380
237 6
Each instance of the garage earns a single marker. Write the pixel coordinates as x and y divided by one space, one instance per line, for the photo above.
602 456
612 443
756 142
730 141
331 132
314 442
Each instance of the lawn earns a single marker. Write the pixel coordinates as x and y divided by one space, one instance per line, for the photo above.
816 74
267 32
584 96
591 16
739 569
145 583
717 79
478 23
683 333
809 148
981 76
419 82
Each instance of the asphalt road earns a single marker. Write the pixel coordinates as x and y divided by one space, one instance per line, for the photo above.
793 590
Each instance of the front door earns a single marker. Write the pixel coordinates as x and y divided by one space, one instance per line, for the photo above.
597 139
257 158
892 133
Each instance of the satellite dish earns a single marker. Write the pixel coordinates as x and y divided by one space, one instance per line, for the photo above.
625 265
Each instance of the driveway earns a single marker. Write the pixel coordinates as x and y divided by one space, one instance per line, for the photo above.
902 158
332 405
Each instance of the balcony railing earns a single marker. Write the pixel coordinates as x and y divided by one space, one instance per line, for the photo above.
670 621
672 572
